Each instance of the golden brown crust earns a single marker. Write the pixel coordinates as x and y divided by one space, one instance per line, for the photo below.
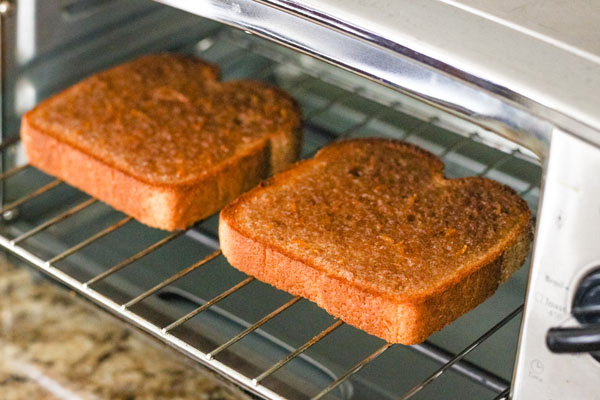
159 172
396 322
402 317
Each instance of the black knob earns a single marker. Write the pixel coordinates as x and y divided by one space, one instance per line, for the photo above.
586 310
574 340
586 303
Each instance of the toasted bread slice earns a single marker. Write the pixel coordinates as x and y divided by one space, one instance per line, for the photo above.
161 139
371 231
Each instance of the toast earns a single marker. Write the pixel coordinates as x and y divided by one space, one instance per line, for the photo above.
162 139
372 231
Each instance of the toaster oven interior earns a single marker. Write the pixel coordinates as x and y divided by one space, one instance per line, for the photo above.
178 288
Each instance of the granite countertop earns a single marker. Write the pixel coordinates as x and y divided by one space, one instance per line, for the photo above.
53 345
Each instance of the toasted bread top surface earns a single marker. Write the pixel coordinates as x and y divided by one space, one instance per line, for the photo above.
165 118
380 214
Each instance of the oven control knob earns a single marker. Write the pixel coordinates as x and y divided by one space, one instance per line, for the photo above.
586 310
586 303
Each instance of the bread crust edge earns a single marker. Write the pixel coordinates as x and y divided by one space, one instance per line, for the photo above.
164 206
407 322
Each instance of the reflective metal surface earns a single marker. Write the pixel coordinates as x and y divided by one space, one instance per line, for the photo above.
522 51
392 63
566 248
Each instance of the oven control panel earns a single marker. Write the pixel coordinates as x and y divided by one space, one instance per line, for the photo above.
585 309
560 334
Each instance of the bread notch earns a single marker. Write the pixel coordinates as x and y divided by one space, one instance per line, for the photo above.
161 139
371 231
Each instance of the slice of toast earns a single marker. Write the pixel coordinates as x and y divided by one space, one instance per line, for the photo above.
371 231
161 139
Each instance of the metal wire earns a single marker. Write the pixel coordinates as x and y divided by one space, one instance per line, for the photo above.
253 327
528 189
365 121
339 99
352 371
458 145
89 241
462 354
170 280
302 83
498 163
55 220
134 258
503 395
31 196
421 128
6 143
297 352
469 370
210 303
14 171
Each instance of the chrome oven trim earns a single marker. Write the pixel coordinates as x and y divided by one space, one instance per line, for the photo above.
396 65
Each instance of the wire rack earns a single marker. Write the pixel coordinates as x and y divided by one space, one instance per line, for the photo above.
324 95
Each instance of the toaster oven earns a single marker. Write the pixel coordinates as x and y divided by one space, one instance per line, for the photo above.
506 90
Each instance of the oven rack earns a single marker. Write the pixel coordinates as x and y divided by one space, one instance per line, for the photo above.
252 383
447 359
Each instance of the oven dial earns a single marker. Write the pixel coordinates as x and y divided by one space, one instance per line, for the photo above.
586 310
586 303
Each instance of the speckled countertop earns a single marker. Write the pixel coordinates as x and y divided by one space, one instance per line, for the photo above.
55 346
